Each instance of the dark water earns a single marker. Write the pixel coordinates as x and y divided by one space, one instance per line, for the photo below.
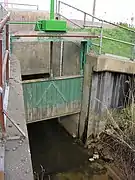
53 148
59 154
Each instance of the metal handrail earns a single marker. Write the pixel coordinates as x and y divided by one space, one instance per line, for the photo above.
102 23
4 21
4 64
71 21
101 20
20 4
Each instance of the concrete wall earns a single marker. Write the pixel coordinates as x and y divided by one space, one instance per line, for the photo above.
26 16
34 57
71 124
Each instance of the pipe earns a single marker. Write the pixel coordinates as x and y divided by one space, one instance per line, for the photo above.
22 22
5 61
56 36
4 21
2 123
52 10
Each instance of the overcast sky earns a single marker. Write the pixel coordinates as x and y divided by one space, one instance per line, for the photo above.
112 10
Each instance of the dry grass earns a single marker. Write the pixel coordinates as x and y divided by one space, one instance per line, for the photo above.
117 141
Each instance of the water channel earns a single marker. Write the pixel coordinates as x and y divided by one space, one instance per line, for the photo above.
55 151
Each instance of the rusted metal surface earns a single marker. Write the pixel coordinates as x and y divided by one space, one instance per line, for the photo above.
7 48
2 157
1 94
4 89
4 21
5 62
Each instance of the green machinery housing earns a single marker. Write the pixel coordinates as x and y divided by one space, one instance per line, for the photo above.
51 25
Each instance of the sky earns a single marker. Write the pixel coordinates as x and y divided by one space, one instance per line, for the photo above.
111 10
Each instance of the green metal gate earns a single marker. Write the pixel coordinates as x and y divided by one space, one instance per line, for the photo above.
46 99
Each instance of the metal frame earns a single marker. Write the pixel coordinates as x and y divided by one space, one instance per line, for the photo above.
93 26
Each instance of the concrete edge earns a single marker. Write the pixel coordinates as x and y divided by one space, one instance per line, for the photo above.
112 64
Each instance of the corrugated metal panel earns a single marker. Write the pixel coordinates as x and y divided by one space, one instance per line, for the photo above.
52 98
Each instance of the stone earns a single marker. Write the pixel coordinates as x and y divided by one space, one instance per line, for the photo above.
14 149
10 126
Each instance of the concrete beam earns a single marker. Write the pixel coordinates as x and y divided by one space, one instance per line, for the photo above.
113 64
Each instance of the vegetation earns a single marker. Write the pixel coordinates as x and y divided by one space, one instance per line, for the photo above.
116 141
113 47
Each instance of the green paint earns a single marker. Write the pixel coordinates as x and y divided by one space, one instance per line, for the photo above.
51 9
44 94
83 52
54 25
51 25
38 26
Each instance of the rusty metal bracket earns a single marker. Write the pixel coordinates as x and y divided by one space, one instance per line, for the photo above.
14 123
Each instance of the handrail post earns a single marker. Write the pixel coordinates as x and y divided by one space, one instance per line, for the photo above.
59 10
7 48
101 39
84 22
1 89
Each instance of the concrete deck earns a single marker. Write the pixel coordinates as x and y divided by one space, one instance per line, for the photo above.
17 156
